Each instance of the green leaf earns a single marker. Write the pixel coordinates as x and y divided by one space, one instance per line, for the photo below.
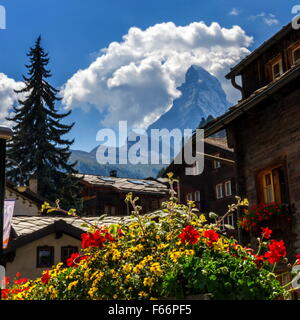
213 215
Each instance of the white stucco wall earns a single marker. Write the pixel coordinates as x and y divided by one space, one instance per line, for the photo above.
23 206
26 256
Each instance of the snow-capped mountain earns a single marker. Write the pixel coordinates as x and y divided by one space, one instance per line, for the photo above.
202 96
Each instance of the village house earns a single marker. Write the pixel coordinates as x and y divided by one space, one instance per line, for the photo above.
106 195
214 189
37 242
264 128
27 201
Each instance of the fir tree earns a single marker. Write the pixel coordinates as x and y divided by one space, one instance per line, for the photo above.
38 145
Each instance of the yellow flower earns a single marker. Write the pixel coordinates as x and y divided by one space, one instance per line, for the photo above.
146 260
86 274
92 292
202 218
148 282
156 269
116 255
170 175
127 267
244 202
72 284
138 268
128 253
138 248
113 273
189 252
127 279
175 255
162 246
170 236
143 294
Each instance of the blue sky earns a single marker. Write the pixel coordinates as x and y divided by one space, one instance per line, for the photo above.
74 32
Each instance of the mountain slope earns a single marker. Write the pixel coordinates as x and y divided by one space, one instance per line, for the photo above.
202 96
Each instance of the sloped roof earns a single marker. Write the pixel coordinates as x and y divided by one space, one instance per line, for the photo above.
258 96
126 184
218 142
257 52
24 225
31 228
30 195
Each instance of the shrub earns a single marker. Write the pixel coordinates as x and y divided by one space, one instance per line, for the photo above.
172 253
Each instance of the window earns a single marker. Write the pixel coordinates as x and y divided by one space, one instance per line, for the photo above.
228 191
66 253
229 220
216 163
110 210
277 69
219 191
189 196
272 185
197 196
296 55
45 257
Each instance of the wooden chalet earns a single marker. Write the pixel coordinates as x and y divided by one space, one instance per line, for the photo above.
106 195
214 189
264 128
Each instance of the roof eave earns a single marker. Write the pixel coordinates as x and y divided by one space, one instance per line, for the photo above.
236 70
228 117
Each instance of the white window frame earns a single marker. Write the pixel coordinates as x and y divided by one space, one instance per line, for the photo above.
229 220
219 191
189 196
217 164
197 195
280 69
228 183
294 62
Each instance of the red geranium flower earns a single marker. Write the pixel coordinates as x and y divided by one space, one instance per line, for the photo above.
74 259
190 235
259 260
96 239
266 232
212 236
21 281
46 277
298 258
5 293
18 275
277 250
120 232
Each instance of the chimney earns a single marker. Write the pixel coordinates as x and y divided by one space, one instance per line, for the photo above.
33 184
113 173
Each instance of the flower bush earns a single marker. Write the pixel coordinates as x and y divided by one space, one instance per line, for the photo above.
254 216
173 253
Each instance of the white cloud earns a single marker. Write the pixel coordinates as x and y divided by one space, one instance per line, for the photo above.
234 12
136 79
268 18
7 96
